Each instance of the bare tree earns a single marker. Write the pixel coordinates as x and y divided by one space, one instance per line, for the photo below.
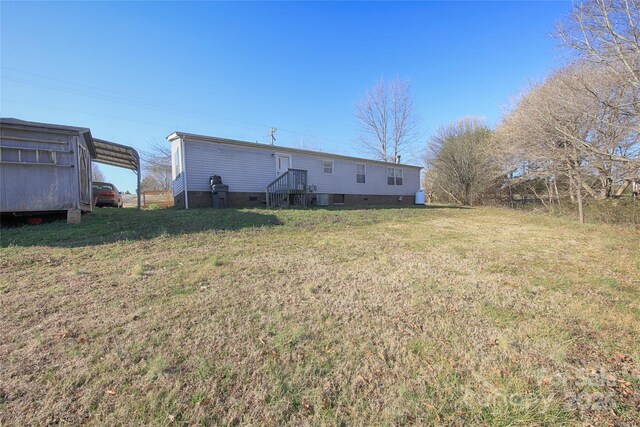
157 165
460 161
562 129
388 122
606 32
606 134
96 173
150 183
542 139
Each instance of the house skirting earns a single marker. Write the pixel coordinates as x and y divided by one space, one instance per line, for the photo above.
376 199
200 199
204 199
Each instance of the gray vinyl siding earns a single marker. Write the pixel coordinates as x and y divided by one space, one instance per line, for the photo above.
242 169
251 169
38 187
177 186
343 180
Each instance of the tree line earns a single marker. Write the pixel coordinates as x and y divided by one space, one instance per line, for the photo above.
573 136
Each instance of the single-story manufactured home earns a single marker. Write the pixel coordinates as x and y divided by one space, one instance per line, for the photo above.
268 175
46 168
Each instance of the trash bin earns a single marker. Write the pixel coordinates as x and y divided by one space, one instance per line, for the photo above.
219 192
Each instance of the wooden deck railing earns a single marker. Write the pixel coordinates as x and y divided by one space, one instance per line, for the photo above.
292 182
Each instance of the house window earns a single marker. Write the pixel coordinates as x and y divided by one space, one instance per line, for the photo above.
394 176
328 167
360 173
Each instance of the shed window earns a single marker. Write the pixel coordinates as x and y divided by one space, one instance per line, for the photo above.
29 156
394 176
360 173
45 157
328 167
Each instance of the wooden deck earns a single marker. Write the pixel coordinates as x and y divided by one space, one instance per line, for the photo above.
289 188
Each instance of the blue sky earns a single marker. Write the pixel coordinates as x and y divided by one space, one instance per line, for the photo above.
135 72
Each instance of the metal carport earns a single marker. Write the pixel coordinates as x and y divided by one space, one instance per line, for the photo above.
119 155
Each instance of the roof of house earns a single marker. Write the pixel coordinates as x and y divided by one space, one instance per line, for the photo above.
101 151
213 139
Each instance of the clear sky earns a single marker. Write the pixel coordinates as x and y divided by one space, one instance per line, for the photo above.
135 72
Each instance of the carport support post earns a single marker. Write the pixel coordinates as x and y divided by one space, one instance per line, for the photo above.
138 178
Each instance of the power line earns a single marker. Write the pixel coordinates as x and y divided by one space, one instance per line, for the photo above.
70 82
56 108
118 97
81 112
108 94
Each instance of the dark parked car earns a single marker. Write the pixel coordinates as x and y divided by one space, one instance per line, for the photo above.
106 194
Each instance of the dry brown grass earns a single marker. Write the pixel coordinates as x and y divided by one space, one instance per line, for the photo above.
354 317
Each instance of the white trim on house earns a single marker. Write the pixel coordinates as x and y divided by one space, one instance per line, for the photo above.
184 174
364 173
276 155
394 175
324 167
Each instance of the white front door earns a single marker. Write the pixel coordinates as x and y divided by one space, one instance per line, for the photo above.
282 164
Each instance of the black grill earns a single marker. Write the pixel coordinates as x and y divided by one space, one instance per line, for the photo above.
219 192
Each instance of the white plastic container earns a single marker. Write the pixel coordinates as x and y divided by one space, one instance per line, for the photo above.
420 197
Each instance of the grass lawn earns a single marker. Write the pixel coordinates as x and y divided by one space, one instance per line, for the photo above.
323 317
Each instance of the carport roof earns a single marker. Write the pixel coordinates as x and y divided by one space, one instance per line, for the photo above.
114 154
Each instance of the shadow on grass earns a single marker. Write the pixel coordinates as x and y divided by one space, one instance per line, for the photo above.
108 225
434 206
385 207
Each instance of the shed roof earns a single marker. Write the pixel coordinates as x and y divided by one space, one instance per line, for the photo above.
101 151
7 122
176 135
